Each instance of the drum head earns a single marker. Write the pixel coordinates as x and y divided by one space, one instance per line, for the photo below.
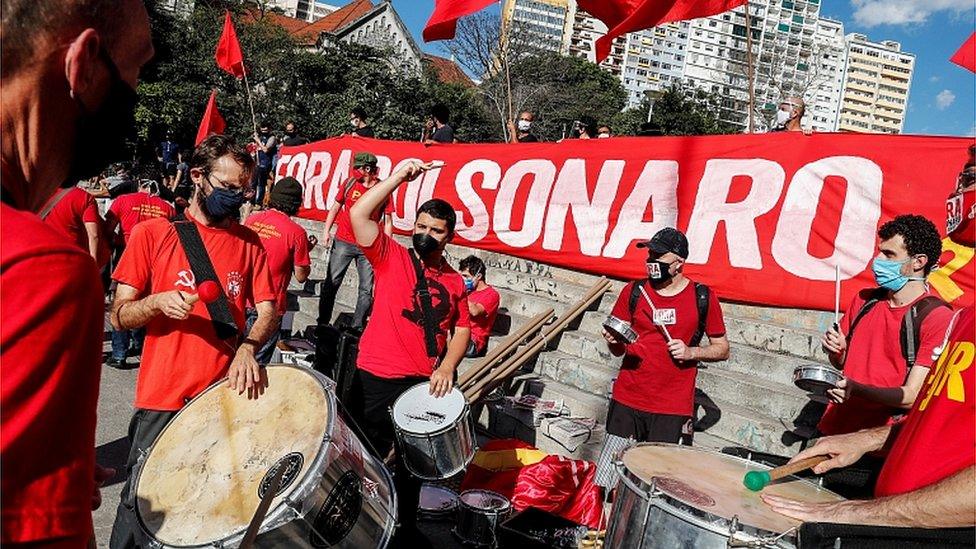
485 500
711 483
816 378
417 411
202 479
437 501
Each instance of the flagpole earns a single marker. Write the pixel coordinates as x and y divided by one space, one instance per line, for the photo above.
508 77
749 69
250 102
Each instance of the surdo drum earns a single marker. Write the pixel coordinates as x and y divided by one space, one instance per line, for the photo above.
436 435
816 378
479 514
202 480
620 329
680 496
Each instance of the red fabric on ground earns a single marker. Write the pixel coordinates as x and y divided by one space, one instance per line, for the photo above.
560 486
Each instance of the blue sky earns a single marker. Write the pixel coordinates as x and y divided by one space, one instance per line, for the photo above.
942 100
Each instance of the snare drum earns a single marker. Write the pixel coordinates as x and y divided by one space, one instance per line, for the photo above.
479 514
436 503
680 496
436 435
620 329
816 378
203 478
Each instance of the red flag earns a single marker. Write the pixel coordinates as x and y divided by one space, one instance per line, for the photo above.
966 56
623 16
443 21
212 121
228 54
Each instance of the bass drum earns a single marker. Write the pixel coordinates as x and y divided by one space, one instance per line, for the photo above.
202 480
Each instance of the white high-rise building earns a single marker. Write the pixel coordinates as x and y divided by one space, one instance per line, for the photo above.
542 24
823 97
306 10
877 78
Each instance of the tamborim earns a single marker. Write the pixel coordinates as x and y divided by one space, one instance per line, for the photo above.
202 479
816 378
620 329
436 435
680 496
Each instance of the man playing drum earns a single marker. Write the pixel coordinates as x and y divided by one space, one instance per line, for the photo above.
880 381
408 338
191 345
654 394
929 477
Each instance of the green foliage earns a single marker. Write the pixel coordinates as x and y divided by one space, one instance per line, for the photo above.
315 89
688 111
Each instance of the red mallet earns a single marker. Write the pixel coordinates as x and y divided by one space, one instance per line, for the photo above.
209 291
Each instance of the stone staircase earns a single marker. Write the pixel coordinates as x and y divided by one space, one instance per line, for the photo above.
747 401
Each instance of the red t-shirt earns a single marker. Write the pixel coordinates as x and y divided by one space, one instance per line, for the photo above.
134 208
393 343
938 438
347 200
181 358
50 349
481 324
71 213
286 244
874 358
650 380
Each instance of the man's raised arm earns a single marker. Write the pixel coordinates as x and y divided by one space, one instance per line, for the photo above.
365 229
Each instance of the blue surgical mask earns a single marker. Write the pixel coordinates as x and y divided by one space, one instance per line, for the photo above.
887 273
469 284
222 203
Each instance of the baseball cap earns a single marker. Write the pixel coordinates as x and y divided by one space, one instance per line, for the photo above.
287 192
364 159
667 240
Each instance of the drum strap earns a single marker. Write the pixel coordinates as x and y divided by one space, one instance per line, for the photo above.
53 202
203 269
423 291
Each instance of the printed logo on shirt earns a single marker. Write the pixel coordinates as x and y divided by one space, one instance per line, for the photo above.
947 374
664 316
265 230
355 195
234 284
186 279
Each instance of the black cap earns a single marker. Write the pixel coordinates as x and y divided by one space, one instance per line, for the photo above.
667 240
287 192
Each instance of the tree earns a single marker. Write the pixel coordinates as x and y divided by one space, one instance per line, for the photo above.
680 110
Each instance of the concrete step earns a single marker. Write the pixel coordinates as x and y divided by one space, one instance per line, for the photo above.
743 426
776 400
800 319
528 305
762 364
579 402
592 377
588 346
797 342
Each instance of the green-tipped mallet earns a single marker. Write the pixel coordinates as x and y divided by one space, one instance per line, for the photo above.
757 480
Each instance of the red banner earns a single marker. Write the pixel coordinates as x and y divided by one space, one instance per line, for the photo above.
767 216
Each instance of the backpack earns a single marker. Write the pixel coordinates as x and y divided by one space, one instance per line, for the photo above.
911 324
702 297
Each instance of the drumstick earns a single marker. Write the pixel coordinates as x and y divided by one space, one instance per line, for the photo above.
654 313
262 510
757 480
836 296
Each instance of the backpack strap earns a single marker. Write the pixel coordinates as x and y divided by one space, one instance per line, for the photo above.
203 269
426 306
702 298
53 202
911 327
634 296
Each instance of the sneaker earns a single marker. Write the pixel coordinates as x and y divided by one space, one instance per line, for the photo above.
113 362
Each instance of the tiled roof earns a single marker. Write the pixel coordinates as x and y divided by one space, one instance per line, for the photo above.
448 71
336 20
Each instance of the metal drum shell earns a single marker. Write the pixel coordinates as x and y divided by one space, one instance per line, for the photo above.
816 378
645 518
291 520
479 526
620 328
441 453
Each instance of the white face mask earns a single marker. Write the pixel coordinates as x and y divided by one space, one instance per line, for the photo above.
354 122
782 117
524 125
603 135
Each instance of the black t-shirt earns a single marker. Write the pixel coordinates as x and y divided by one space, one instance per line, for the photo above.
294 141
529 138
443 134
365 131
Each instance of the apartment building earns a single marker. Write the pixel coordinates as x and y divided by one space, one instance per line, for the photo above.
877 79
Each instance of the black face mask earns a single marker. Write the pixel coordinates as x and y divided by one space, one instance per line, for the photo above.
222 203
659 271
100 135
425 244
290 134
